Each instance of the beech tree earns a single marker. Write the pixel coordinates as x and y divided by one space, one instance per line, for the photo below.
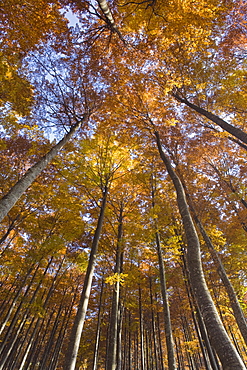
100 269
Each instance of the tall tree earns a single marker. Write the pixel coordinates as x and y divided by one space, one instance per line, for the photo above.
217 334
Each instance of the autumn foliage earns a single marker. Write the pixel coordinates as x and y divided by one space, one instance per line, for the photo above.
123 155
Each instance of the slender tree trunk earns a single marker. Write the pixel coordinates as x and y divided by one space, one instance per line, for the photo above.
48 347
229 185
228 355
13 303
141 330
70 360
160 341
153 325
167 318
60 339
10 346
187 340
130 357
9 200
113 330
96 343
10 228
23 347
63 332
16 315
237 132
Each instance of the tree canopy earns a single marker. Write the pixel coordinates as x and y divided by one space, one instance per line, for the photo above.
123 184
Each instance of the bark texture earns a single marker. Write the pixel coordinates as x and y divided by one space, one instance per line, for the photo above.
70 360
219 339
235 131
10 199
237 310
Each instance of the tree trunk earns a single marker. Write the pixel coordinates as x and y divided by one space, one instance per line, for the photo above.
141 330
197 318
13 303
167 318
96 344
9 200
70 360
237 132
113 330
109 18
160 342
237 310
229 185
153 325
219 339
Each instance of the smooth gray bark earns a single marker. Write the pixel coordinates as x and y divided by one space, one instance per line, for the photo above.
111 363
97 339
198 320
237 310
219 339
167 319
10 199
70 360
235 131
166 310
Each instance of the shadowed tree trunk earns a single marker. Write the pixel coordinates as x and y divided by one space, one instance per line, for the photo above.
235 131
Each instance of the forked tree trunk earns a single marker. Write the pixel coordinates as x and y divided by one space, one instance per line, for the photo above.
219 339
109 18
70 359
235 131
10 199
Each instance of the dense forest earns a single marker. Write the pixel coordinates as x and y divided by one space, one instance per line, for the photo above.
123 185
